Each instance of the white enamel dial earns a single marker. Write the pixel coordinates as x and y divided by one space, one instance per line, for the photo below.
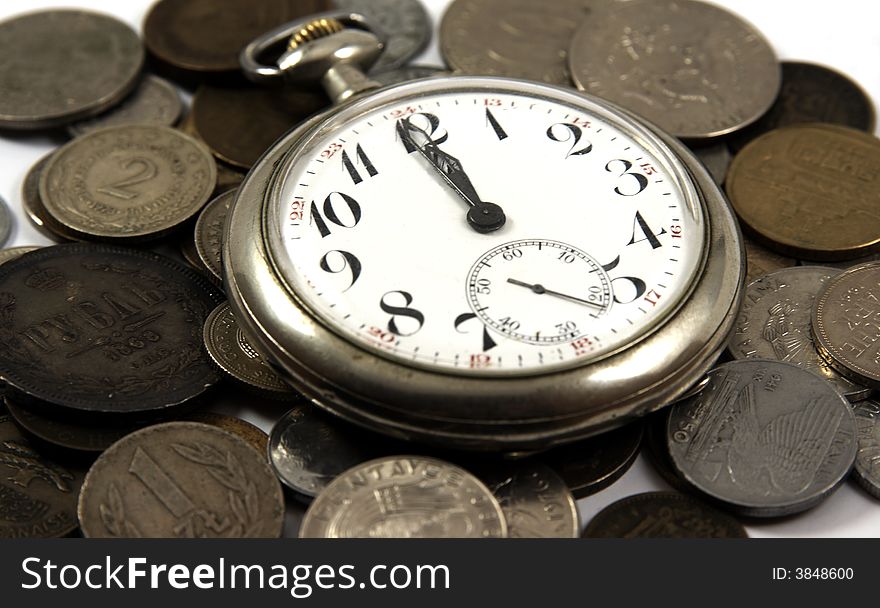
601 228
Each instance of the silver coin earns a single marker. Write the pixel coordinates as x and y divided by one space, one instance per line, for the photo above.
208 233
405 22
6 222
405 497
535 501
33 206
867 469
716 159
775 323
694 69
407 73
766 438
153 102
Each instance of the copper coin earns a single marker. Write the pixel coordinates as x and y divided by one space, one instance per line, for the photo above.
63 65
183 480
132 182
253 435
239 124
761 261
208 234
206 36
808 191
37 495
34 208
227 177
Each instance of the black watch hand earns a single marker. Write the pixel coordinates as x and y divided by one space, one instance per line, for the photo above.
482 216
540 290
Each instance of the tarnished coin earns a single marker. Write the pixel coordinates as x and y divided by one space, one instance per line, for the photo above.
208 234
153 102
405 497
845 324
308 449
593 464
867 469
239 124
761 261
6 222
34 208
229 348
535 500
129 182
657 451
37 495
12 253
515 38
184 480
654 57
662 515
205 37
187 248
813 93
766 438
253 435
405 23
62 65
810 191
775 322
104 329
407 73
716 158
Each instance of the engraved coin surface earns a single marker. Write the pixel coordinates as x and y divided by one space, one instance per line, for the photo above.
12 253
809 191
405 497
37 495
404 22
229 348
308 449
516 38
535 501
128 182
662 515
716 159
34 208
867 469
104 329
407 73
181 480
766 438
6 221
775 322
654 57
253 435
209 233
154 102
761 261
844 327
593 464
63 65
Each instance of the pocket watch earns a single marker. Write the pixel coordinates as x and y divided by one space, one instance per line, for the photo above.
480 262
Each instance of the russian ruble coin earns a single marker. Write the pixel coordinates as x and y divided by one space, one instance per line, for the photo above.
64 65
662 515
33 206
765 438
716 158
37 494
181 480
231 351
208 233
808 191
405 497
761 261
133 182
406 74
813 93
13 253
535 500
775 322
845 324
657 59
104 330
6 221
593 464
154 102
514 38
405 24
867 469
253 435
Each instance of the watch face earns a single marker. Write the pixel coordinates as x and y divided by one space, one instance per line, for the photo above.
505 230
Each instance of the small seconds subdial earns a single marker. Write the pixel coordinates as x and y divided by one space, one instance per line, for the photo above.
539 291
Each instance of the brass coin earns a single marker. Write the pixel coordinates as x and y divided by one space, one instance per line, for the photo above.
231 351
515 38
63 65
12 253
131 182
809 191
209 233
227 177
239 124
184 480
253 435
34 208
761 261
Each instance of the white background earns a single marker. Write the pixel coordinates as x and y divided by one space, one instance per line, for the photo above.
842 34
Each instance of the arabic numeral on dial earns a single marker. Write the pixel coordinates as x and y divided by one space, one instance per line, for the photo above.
564 132
509 324
349 220
337 261
426 122
405 320
640 225
567 257
488 342
482 287
641 182
364 160
567 328
512 254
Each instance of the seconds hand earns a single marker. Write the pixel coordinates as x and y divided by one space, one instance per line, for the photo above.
541 290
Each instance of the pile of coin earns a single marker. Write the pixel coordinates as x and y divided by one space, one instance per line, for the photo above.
114 343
